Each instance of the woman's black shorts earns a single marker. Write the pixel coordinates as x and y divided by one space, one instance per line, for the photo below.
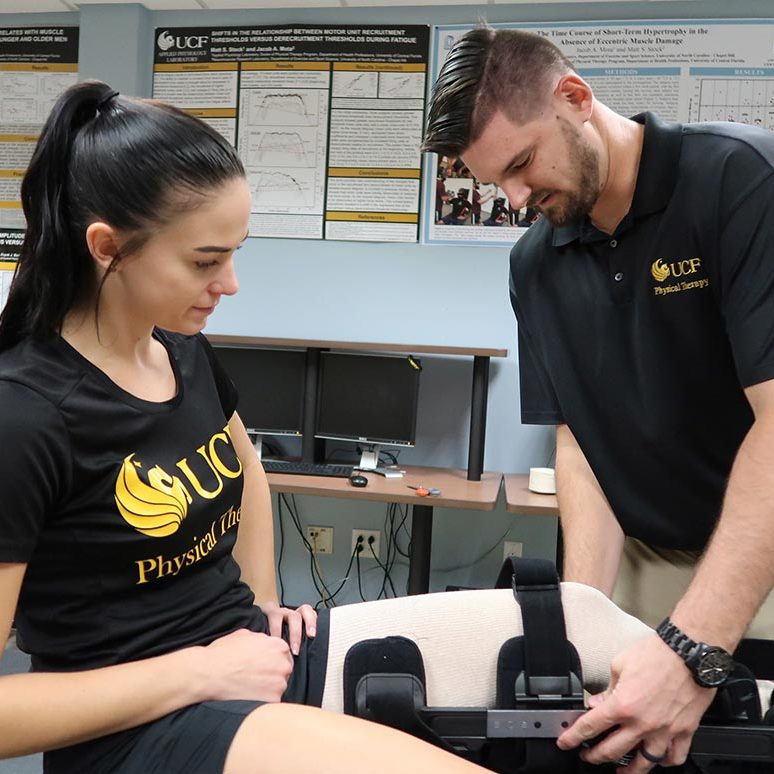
192 739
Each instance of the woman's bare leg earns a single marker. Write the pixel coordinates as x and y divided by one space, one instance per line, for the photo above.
293 739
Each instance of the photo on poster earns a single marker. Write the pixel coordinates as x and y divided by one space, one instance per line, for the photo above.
461 200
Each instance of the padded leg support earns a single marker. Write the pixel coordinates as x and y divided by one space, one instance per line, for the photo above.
460 635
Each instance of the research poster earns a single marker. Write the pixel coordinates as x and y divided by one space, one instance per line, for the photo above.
10 247
327 120
683 70
36 65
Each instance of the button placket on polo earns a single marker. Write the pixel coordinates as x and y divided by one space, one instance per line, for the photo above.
619 279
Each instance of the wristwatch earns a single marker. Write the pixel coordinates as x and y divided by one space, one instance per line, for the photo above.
710 665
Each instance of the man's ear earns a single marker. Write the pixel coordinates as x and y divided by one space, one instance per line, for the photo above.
574 93
102 241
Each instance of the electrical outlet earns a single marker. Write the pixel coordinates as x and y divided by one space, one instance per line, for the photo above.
321 539
365 553
512 548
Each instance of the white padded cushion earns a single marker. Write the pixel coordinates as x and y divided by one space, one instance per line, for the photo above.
460 634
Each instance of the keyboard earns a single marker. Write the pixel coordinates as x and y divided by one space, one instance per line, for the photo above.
307 468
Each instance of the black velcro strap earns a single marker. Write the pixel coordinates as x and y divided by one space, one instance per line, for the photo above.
548 661
394 700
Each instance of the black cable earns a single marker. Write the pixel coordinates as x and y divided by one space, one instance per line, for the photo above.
297 523
346 577
357 561
281 549
391 553
386 570
389 526
393 457
400 526
353 459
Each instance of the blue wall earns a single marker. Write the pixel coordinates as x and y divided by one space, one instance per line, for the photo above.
384 292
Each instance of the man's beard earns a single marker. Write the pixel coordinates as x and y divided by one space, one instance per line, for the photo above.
577 202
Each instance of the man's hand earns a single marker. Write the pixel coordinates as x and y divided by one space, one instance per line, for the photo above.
655 704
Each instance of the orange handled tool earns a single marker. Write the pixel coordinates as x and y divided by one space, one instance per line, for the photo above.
424 491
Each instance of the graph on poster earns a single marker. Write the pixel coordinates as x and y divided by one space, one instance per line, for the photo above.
354 84
736 99
281 148
283 108
282 189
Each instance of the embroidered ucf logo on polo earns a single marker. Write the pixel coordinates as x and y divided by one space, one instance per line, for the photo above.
682 271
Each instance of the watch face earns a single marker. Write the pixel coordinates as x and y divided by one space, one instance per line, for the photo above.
714 667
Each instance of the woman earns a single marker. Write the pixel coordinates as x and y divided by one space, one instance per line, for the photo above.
154 631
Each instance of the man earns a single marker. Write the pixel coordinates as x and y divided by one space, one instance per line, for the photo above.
460 209
499 213
643 295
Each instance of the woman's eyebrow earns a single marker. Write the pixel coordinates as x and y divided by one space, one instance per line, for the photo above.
218 248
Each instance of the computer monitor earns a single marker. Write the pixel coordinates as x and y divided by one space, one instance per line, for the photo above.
270 383
369 399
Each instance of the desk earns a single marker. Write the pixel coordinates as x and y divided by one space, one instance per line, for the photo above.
456 492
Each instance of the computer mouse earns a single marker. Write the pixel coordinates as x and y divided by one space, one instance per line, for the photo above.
358 480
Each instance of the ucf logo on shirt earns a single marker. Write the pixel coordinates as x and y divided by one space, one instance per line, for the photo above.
683 270
158 507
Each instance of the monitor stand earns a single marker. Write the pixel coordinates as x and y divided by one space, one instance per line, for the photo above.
369 461
257 440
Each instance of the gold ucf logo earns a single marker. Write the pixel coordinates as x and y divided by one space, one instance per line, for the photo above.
159 506
682 268
676 269
659 270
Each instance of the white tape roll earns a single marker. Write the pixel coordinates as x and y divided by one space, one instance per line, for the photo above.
542 480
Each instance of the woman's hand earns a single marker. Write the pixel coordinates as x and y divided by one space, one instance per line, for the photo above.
247 665
304 616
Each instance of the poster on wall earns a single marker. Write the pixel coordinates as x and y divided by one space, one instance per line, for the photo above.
327 120
697 70
36 65
10 247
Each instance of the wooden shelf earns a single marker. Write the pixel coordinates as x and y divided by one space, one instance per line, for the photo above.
430 349
456 490
519 499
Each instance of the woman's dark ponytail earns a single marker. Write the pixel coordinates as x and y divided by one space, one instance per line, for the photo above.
50 270
127 162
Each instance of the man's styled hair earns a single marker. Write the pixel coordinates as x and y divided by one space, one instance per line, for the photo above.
487 70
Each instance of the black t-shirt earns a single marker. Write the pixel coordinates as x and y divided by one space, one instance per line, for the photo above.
460 208
642 342
125 510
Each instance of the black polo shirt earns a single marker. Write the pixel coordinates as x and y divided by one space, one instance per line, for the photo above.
642 341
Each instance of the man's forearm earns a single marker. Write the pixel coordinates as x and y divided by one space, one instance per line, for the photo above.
593 539
737 570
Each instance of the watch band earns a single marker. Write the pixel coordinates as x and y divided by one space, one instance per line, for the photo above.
677 639
710 665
